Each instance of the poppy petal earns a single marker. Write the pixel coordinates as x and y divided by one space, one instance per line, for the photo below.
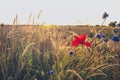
75 42
88 44
82 38
79 40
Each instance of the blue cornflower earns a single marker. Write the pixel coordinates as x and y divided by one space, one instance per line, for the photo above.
103 35
105 15
118 25
116 38
100 35
51 72
71 52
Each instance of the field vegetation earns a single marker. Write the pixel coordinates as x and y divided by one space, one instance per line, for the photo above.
48 53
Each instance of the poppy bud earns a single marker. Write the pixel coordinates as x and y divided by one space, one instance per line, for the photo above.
91 35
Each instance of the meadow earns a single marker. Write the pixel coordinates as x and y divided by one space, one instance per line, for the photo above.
30 52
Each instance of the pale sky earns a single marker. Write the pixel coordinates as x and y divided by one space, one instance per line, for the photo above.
60 11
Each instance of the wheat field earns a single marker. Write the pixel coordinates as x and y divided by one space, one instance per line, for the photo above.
45 52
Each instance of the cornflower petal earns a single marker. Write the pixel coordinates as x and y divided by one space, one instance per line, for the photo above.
51 72
115 38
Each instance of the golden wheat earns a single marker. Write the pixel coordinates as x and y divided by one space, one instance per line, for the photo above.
74 72
27 47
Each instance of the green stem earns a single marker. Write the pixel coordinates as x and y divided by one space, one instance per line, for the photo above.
103 22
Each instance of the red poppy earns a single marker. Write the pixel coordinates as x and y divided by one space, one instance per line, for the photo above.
88 44
81 40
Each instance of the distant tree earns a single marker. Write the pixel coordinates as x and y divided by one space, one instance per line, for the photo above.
97 25
105 15
2 25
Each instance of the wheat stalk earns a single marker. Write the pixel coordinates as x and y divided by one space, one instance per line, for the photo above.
95 74
112 65
27 47
53 42
33 21
39 14
98 67
74 72
29 18
55 47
